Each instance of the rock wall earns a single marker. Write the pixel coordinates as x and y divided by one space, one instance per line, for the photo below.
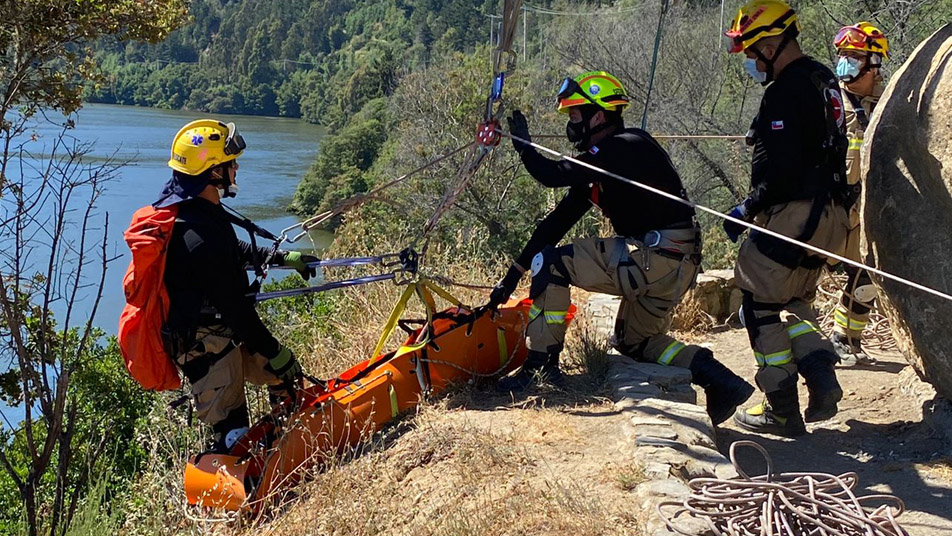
907 205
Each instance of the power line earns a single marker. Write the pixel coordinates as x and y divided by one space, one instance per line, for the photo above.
548 11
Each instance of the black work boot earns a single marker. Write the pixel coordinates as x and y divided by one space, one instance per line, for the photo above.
229 430
820 376
551 373
541 365
778 414
724 389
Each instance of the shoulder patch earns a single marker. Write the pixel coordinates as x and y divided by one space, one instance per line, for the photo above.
835 98
594 149
776 125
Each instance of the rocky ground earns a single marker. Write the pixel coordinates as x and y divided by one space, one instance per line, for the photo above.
879 433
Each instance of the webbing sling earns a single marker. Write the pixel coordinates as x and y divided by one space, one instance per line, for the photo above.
858 109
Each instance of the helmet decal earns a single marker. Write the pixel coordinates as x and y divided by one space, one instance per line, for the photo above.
594 89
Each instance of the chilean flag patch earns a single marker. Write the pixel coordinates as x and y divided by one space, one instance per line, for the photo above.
776 125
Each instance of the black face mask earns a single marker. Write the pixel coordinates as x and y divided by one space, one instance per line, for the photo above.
580 134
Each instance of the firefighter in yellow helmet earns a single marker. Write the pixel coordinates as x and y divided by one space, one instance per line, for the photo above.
212 330
651 262
861 49
798 190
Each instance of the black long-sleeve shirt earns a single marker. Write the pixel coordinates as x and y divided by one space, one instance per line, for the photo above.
205 266
631 153
790 161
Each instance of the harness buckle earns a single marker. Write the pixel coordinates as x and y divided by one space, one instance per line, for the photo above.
652 239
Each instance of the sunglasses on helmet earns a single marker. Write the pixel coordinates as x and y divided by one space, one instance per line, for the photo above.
570 87
234 143
854 36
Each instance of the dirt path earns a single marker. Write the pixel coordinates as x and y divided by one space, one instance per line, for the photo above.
878 434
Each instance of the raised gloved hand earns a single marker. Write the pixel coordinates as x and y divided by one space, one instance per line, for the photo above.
519 127
505 287
734 230
300 262
285 366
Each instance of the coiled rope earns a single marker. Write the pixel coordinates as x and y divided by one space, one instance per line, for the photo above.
785 504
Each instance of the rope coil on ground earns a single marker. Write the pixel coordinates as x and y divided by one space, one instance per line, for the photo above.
785 504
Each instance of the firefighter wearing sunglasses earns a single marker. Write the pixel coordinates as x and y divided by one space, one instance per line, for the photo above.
212 330
861 50
651 263
798 189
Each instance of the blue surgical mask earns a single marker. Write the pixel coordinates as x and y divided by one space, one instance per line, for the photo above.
847 68
750 65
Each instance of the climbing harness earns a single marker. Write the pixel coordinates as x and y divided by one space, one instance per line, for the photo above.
784 504
738 221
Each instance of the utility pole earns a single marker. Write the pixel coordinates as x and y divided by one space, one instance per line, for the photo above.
525 28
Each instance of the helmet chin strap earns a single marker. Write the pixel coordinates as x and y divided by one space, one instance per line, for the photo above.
770 62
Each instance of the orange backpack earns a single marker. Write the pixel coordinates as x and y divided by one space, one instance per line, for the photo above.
147 300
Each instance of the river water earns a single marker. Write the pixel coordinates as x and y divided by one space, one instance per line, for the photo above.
279 152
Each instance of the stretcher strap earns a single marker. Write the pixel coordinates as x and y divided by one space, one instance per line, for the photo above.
424 289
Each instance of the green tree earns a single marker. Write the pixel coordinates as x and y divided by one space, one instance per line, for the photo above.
46 60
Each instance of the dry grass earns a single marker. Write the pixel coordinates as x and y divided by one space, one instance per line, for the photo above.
470 472
940 469
586 351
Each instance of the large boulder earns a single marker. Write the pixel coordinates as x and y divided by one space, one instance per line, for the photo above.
907 205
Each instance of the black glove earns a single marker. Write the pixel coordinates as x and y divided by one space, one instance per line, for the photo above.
300 262
734 230
519 127
504 288
285 366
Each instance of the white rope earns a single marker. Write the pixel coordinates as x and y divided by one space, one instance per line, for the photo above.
751 226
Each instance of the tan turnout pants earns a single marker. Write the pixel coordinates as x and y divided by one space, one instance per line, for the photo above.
217 367
650 285
777 308
856 299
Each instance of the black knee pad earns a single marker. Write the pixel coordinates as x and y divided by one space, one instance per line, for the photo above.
552 270
751 322
775 379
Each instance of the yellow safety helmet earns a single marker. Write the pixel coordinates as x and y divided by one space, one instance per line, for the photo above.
203 144
862 37
759 19
598 88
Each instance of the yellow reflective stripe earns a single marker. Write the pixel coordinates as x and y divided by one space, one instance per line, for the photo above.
555 317
534 311
394 407
670 352
844 321
775 359
801 328
503 347
856 144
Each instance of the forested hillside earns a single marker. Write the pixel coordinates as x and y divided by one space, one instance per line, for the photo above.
316 59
